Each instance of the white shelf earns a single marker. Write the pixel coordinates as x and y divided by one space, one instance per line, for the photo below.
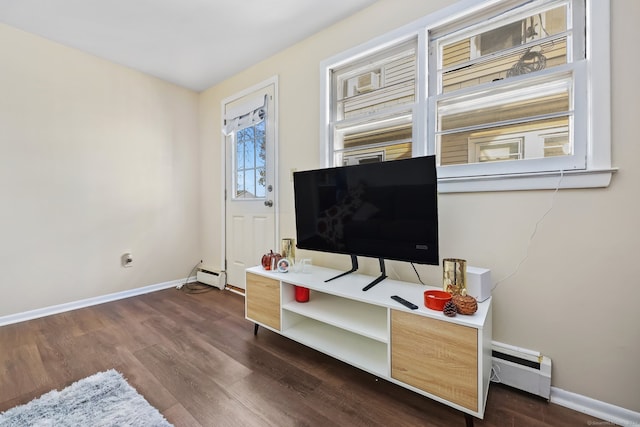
360 318
364 353
354 326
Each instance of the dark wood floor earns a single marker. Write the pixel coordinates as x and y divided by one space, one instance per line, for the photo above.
195 358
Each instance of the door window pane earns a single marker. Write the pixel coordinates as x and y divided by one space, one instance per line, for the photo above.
250 152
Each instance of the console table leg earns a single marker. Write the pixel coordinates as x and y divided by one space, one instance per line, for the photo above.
468 420
255 330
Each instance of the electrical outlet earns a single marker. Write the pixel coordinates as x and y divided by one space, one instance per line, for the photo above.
127 259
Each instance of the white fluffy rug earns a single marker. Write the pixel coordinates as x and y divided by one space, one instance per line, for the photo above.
103 399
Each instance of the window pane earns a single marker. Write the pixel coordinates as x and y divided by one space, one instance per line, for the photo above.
494 150
522 61
242 135
259 130
383 81
249 154
261 183
355 138
251 162
250 184
504 104
373 100
373 154
247 133
556 144
239 156
529 44
240 185
536 139
388 138
260 145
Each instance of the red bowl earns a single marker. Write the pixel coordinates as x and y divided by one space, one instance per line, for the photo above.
435 300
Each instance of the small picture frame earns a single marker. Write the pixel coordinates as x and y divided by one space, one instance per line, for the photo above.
283 265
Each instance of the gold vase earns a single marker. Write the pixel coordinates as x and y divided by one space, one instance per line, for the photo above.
454 276
288 248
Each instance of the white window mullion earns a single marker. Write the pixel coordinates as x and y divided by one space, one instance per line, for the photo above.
421 146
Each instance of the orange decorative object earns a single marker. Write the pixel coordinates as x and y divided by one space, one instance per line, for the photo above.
465 304
270 261
435 300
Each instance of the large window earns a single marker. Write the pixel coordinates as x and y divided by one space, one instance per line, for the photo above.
508 94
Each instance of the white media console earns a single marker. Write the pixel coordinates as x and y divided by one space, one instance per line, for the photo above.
447 359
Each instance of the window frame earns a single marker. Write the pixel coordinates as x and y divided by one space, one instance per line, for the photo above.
594 70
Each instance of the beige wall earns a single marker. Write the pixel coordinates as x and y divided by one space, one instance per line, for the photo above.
95 159
575 296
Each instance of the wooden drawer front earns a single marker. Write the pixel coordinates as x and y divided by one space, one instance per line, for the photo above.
263 300
438 357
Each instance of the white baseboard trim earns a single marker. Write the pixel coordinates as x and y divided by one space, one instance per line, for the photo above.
61 308
595 408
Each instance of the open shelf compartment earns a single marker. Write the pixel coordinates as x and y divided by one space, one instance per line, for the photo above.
363 319
364 353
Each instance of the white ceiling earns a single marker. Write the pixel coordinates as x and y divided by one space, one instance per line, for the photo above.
192 43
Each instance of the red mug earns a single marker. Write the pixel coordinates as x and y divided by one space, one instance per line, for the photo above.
302 294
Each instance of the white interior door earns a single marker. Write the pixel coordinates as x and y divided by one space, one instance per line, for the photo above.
251 202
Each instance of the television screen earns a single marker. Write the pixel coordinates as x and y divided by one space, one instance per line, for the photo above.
386 210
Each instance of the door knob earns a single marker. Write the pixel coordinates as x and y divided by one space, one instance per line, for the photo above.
268 203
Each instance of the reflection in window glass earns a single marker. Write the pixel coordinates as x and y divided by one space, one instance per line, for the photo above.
491 151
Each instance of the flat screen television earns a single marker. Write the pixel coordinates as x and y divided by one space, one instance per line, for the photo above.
386 210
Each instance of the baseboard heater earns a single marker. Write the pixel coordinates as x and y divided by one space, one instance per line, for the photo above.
213 278
520 368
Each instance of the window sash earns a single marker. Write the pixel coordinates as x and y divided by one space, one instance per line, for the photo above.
508 102
380 117
390 132
492 17
574 161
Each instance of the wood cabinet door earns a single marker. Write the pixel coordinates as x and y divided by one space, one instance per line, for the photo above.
263 300
436 356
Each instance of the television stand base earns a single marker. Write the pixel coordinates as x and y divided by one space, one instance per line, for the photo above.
383 275
354 268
